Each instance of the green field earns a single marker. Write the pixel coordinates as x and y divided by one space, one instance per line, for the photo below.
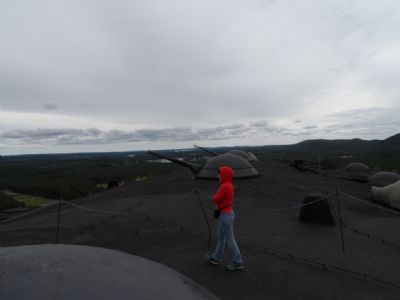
102 186
30 201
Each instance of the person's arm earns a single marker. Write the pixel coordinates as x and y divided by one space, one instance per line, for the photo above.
219 194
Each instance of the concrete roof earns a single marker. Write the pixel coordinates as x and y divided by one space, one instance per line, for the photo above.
266 275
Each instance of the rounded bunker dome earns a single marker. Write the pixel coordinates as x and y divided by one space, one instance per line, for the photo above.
241 167
82 272
383 178
357 167
246 155
389 195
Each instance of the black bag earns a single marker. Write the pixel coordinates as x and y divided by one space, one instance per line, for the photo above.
217 212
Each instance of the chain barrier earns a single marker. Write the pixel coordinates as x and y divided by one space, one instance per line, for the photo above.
278 209
324 266
366 234
98 210
265 250
200 191
371 236
117 212
383 242
370 203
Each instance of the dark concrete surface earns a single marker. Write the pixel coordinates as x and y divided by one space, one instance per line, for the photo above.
266 275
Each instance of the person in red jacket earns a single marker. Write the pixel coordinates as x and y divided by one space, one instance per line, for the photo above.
223 200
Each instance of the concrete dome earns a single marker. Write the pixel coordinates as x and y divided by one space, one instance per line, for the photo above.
389 195
246 155
241 167
357 167
81 272
383 178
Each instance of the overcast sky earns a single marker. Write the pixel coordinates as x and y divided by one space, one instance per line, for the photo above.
102 75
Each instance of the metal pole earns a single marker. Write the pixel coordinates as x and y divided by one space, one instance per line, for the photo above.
205 217
58 220
340 218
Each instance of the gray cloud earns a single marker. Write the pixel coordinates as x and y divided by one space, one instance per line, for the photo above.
47 137
129 58
362 113
50 106
196 65
366 130
68 136
310 127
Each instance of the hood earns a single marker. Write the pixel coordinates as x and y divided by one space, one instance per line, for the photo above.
226 174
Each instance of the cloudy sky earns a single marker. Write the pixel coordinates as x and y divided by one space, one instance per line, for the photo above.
102 75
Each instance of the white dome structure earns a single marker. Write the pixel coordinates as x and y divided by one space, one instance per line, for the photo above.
383 178
357 167
241 167
389 195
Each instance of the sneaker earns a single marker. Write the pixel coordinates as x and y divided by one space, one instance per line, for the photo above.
233 266
212 260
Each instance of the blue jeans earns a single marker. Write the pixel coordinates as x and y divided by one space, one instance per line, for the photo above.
225 234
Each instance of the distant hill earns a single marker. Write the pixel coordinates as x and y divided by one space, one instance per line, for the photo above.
378 154
341 146
393 140
334 146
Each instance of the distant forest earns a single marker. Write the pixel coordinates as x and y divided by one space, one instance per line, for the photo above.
69 176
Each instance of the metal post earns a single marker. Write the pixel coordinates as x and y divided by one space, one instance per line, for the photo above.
205 217
58 220
340 218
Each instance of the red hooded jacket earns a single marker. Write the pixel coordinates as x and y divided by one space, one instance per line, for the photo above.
224 195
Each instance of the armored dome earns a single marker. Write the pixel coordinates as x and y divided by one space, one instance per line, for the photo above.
389 195
241 167
82 272
246 155
383 178
357 167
